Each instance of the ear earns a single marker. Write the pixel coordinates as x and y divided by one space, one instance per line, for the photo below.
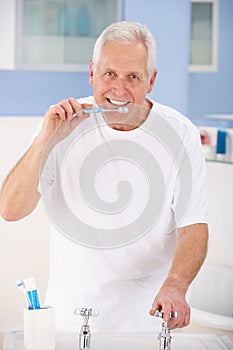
152 81
91 73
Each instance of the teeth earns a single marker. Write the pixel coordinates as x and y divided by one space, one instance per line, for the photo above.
118 103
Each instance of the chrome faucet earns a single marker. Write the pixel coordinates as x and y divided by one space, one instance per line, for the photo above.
165 334
85 333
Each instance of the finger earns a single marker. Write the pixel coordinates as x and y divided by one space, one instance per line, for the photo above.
58 111
75 105
175 322
68 108
155 306
182 320
152 312
187 318
87 105
167 309
77 119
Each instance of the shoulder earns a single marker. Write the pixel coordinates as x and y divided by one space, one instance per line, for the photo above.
177 120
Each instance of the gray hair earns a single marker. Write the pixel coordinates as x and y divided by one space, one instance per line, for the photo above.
128 32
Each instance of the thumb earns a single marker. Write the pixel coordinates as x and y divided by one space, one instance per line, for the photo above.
155 306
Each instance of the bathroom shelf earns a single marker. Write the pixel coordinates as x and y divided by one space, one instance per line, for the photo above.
53 34
219 161
210 127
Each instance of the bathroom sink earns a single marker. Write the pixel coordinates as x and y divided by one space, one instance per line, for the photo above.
180 341
147 341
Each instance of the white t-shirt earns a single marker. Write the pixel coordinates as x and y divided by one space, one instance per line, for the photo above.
115 199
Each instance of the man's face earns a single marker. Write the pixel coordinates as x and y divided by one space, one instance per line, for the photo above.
120 75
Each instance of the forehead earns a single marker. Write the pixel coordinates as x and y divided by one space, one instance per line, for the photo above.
131 56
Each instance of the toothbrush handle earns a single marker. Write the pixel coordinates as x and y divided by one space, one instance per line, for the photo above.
92 110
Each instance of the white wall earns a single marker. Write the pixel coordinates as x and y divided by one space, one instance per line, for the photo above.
220 198
24 245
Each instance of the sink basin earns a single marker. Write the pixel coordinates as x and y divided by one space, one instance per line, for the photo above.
147 341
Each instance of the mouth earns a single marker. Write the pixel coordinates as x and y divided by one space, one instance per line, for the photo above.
117 103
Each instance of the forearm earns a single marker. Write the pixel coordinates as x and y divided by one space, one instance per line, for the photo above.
189 256
19 194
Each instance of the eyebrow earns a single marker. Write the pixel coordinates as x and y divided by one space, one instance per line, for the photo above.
127 73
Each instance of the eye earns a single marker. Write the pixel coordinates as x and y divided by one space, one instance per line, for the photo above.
134 76
109 74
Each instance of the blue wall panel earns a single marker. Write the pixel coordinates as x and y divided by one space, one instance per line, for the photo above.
30 93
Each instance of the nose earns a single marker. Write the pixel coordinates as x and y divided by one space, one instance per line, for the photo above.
119 87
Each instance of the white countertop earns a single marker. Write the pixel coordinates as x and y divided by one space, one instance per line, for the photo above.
146 341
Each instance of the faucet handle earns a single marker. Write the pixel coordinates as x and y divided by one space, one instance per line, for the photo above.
85 312
173 314
165 336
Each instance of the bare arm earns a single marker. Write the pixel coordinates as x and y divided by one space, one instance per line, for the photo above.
187 260
19 194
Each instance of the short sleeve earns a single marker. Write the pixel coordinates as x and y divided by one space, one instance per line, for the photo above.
191 186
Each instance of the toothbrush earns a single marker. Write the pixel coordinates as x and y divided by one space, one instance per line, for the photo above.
21 286
100 110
